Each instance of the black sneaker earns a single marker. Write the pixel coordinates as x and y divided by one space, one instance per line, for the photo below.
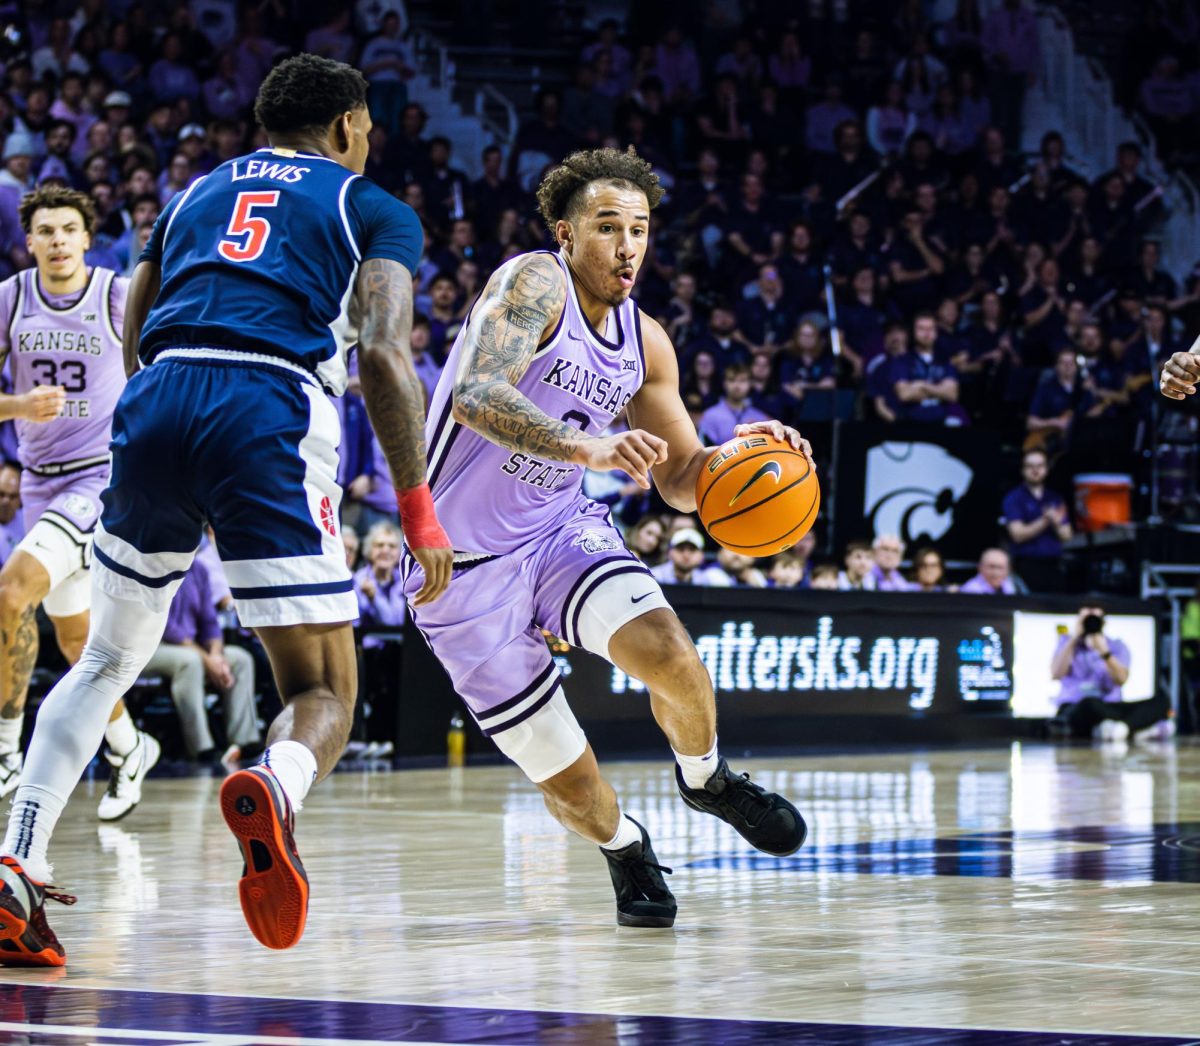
765 820
642 895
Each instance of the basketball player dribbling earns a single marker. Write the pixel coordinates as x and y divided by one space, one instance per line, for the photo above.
552 351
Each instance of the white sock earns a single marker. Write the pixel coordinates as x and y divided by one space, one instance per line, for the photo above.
121 734
697 769
627 832
34 814
10 733
295 767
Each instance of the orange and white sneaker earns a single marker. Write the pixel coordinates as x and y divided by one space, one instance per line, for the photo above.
273 887
25 937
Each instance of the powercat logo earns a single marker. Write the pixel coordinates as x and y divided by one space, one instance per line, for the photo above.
912 490
739 659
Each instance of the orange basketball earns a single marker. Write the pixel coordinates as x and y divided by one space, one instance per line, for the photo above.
757 496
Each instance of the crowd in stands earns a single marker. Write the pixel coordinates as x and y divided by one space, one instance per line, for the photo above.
850 229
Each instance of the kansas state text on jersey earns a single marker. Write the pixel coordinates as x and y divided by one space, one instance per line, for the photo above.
262 254
492 500
72 341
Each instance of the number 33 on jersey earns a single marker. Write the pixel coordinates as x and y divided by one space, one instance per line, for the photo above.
298 225
74 342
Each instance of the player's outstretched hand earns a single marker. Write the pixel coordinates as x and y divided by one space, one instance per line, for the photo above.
635 452
438 564
783 433
43 402
1180 375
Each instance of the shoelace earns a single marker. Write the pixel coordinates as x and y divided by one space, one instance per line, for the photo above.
54 892
746 797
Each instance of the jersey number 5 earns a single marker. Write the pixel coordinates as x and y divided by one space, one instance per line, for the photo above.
250 232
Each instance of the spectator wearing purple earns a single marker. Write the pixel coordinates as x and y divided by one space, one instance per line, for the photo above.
58 57
924 386
171 78
889 550
676 65
388 66
71 106
620 61
890 123
994 577
123 66
428 369
12 523
175 177
192 654
685 563
227 94
333 38
789 66
825 118
380 592
1037 524
1088 663
717 424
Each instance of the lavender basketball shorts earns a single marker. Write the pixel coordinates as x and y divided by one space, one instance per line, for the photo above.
578 582
60 516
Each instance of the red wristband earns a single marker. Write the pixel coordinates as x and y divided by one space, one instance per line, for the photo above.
419 520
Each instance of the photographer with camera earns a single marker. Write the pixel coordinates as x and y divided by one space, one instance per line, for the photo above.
1092 668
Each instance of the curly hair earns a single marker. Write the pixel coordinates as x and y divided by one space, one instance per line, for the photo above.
561 192
52 196
306 93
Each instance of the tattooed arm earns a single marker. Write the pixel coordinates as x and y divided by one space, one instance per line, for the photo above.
393 393
395 400
518 306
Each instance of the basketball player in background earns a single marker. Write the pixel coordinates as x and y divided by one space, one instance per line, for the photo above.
554 349
62 336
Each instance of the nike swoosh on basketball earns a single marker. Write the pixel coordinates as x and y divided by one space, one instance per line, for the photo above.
769 468
638 599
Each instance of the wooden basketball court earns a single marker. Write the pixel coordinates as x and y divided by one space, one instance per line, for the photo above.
1022 895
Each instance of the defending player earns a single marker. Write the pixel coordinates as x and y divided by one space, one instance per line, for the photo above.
256 281
62 337
552 351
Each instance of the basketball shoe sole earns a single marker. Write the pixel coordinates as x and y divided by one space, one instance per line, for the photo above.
273 888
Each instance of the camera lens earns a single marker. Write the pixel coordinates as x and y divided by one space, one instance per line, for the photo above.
1092 624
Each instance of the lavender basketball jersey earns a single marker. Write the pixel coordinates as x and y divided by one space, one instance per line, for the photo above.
54 340
491 500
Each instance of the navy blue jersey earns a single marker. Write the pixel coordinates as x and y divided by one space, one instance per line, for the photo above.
261 256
